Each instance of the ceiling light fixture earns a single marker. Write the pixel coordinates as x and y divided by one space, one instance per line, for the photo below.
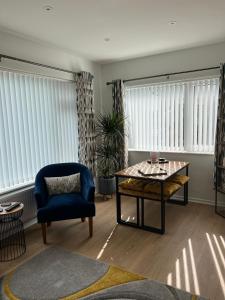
173 22
48 8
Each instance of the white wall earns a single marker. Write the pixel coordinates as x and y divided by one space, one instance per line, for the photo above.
18 46
201 168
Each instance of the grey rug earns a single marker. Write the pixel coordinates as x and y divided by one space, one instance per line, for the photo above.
59 274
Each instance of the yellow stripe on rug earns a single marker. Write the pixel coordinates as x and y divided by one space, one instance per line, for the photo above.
114 276
6 287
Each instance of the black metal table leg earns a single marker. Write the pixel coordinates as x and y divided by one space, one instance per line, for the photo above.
142 212
138 212
162 209
118 202
216 201
185 201
186 189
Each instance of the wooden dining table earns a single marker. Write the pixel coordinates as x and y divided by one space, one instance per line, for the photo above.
137 171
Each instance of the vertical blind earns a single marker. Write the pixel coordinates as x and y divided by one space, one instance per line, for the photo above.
177 116
38 126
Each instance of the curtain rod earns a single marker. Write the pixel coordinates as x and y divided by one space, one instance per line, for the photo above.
34 63
167 74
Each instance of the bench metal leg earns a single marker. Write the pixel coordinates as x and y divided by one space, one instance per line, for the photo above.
162 210
186 189
118 202
142 212
138 212
185 199
140 223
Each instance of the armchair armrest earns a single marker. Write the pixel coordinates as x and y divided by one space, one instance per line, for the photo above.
39 197
88 188
91 193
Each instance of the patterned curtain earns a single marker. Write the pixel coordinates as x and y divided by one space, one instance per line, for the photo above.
219 173
118 108
86 120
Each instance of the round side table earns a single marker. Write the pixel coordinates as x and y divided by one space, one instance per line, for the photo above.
12 238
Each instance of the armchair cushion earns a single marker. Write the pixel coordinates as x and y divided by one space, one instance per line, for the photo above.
65 206
63 184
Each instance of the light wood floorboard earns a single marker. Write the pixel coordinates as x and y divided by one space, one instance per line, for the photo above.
182 255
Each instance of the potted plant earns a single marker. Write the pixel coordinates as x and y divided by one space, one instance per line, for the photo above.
110 133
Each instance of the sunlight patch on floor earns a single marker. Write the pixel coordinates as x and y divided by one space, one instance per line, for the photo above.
170 279
178 279
193 266
219 250
184 267
106 243
186 271
222 240
216 262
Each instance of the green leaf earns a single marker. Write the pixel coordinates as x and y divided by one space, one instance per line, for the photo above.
110 134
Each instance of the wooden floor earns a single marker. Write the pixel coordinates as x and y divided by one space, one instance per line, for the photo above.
190 255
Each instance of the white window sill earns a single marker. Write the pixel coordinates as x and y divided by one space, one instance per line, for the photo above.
174 152
16 188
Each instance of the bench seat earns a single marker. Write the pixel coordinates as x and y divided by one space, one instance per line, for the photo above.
152 190
139 194
180 179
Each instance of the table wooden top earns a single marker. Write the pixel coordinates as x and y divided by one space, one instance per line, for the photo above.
15 210
171 168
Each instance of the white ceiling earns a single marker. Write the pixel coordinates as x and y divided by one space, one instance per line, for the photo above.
135 27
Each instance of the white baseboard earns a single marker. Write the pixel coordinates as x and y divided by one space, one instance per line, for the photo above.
196 200
30 223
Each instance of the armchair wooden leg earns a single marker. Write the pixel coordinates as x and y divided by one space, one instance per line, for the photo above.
43 227
83 219
90 221
49 224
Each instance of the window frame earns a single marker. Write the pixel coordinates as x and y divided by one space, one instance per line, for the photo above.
183 151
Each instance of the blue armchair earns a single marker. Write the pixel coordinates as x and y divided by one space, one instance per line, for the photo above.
64 206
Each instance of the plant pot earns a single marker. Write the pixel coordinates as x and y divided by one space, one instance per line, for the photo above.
107 185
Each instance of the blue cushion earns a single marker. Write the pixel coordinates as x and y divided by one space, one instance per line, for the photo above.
65 206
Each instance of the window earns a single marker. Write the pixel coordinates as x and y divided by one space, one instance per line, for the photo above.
176 116
38 126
